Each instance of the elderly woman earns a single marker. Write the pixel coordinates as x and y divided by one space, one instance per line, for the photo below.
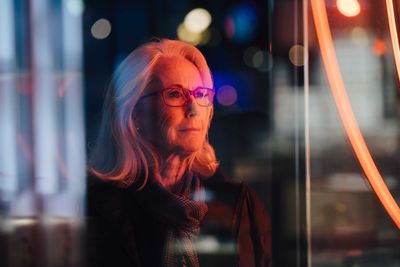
156 193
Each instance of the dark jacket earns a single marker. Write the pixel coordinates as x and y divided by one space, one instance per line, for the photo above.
235 232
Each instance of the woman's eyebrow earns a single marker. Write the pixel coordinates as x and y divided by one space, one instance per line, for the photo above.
176 85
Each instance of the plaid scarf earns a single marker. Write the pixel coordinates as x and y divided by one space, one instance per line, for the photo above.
182 211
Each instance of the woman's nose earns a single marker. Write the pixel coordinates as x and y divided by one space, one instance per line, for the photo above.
191 107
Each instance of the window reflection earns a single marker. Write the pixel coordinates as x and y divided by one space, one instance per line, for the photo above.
341 198
275 123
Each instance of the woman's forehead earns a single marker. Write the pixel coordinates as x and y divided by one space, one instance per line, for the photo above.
177 70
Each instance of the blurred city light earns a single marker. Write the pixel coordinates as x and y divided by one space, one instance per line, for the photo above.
267 62
226 95
240 24
197 20
359 36
257 58
248 55
346 113
296 55
205 37
101 29
349 8
75 7
354 252
194 29
24 222
379 47
207 244
188 36
8 118
42 156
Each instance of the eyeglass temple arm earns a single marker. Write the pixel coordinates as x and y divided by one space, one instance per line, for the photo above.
148 95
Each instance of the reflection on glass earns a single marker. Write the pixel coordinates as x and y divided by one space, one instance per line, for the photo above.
349 225
42 159
346 113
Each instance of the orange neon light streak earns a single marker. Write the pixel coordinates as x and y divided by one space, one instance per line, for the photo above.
393 34
346 113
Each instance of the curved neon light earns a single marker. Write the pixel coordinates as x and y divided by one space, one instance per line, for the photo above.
393 34
346 113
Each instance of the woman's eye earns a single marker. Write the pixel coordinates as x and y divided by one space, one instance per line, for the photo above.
174 94
200 94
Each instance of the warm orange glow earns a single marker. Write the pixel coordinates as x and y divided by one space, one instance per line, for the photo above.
346 113
349 8
379 48
393 34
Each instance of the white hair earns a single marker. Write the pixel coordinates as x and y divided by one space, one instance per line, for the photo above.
120 153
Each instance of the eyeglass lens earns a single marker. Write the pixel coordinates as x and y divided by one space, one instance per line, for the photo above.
178 96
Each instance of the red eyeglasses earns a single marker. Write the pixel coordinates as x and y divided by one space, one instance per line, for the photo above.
178 97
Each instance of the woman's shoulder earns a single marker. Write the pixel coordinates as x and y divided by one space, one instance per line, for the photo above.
220 187
222 184
237 194
251 222
247 216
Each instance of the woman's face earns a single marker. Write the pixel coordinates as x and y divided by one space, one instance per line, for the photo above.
179 130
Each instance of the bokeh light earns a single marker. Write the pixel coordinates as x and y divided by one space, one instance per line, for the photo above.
248 55
379 47
205 37
349 8
197 20
101 29
75 7
188 36
257 58
226 95
296 55
267 62
229 27
194 29
241 23
359 36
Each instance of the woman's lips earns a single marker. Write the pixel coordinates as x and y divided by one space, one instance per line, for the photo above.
189 130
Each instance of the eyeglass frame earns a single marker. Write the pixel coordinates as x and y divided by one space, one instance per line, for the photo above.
190 92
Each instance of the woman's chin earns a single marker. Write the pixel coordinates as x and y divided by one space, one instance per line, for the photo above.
188 148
